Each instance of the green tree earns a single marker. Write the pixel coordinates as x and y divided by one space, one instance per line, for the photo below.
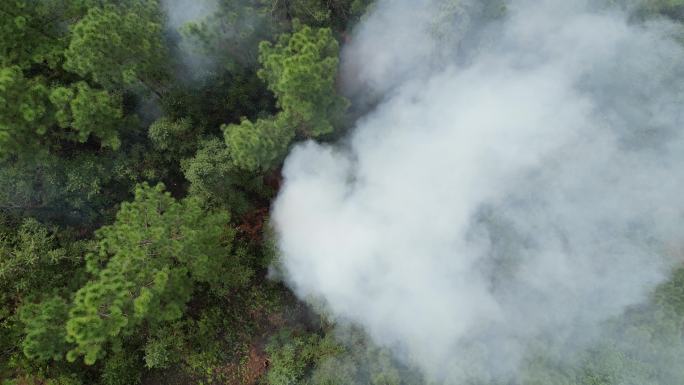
216 180
45 333
260 146
301 69
32 264
24 111
34 117
670 8
121 369
231 34
146 266
169 135
31 32
337 14
174 140
78 188
119 46
292 356
38 269
88 111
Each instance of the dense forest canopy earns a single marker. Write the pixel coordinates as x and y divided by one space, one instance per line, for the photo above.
141 148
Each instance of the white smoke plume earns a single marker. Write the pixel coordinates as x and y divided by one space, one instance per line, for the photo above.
519 181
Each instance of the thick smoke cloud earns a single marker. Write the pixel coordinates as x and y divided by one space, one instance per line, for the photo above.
518 182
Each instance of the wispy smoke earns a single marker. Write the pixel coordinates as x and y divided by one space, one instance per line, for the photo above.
215 35
195 62
181 12
518 182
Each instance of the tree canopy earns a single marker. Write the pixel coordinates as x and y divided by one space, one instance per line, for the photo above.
146 265
139 158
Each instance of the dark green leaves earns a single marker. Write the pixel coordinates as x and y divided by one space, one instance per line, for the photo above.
45 334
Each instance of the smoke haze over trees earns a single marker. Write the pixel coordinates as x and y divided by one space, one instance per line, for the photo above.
388 192
514 184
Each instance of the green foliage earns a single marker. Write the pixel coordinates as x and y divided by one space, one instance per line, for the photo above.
24 110
260 146
32 263
165 286
172 293
45 334
218 98
122 369
171 142
160 352
29 110
216 181
39 379
315 10
119 46
210 170
292 356
337 14
38 269
335 371
30 31
305 358
300 69
64 379
357 360
221 343
69 189
146 265
88 111
670 295
172 136
231 34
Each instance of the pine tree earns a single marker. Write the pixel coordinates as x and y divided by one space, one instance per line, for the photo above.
146 266
301 69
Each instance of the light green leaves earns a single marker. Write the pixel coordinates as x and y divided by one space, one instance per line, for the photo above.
23 109
260 146
301 69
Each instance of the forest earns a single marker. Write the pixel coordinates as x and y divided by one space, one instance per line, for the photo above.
142 145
